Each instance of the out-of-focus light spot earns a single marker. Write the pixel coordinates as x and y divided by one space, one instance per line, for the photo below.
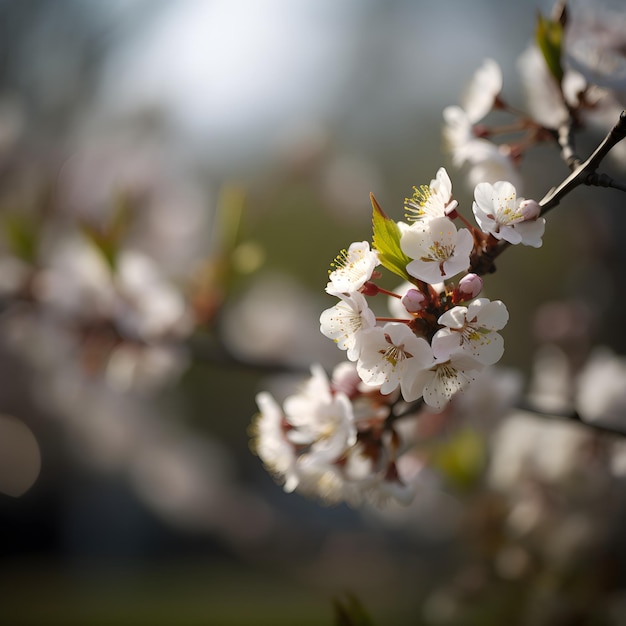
248 257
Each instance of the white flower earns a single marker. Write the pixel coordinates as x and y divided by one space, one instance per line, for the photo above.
484 160
526 445
392 355
321 420
437 249
353 268
432 201
443 379
147 305
344 322
544 99
499 212
489 162
483 89
270 442
472 329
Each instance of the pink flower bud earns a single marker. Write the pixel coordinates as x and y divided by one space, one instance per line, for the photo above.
470 286
529 209
413 300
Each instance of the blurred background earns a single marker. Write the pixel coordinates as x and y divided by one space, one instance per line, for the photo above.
175 179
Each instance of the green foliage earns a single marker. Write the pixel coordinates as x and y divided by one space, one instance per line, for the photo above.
107 239
351 612
22 235
549 37
386 241
461 458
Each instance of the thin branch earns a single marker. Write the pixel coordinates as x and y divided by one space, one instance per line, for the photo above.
574 416
565 138
583 174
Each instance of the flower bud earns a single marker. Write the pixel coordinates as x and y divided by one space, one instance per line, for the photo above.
529 209
413 300
470 286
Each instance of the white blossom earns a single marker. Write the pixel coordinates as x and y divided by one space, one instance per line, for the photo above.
446 377
438 250
543 96
472 329
344 322
499 212
270 442
321 420
353 268
483 159
392 356
432 201
482 91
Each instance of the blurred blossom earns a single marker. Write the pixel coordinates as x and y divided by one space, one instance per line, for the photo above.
170 214
596 43
275 320
145 368
79 283
543 98
490 398
600 392
20 458
525 445
551 385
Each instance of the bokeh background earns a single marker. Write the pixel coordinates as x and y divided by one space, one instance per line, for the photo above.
242 138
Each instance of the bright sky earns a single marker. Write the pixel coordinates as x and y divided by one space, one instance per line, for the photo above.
231 75
221 67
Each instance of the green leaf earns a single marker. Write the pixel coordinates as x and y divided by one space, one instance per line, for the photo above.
461 459
22 234
386 241
107 238
549 37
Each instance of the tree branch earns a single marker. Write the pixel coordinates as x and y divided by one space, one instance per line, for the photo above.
574 416
584 173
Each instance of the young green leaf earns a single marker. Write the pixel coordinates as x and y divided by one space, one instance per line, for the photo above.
549 37
386 240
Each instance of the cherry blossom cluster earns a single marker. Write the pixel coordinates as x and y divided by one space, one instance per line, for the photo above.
557 97
339 439
442 335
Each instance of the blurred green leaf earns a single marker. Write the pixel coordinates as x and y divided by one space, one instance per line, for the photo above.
461 458
350 612
549 37
22 234
107 239
386 241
